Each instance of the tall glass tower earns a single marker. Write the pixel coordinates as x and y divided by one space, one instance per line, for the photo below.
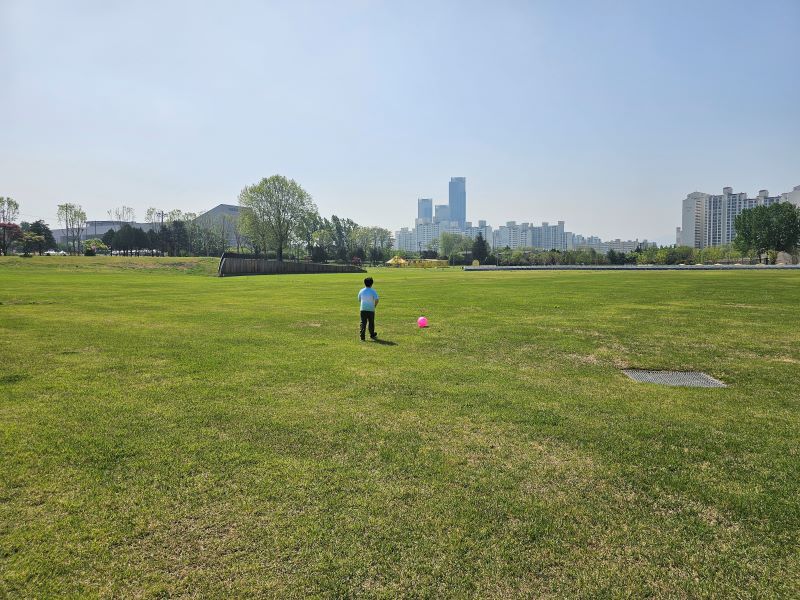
425 209
458 200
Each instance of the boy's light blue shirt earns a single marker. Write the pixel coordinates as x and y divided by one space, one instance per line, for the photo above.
368 296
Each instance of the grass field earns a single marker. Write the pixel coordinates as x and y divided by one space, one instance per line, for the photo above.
164 432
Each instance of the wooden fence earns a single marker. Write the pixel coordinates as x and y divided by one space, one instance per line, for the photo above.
229 266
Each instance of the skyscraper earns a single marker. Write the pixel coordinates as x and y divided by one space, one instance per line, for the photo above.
458 200
425 209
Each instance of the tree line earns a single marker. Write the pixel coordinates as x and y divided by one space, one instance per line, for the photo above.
279 218
665 255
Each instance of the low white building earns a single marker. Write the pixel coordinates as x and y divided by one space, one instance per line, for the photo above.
96 230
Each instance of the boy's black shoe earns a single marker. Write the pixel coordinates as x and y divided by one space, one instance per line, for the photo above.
373 337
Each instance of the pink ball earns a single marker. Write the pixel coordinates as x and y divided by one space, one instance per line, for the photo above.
422 322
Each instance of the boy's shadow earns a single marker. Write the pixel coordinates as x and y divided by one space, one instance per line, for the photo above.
384 342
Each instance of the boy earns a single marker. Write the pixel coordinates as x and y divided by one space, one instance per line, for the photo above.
369 300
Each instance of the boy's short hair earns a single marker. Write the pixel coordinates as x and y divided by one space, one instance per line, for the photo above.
368 282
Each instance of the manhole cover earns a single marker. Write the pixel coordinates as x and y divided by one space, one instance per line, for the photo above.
683 378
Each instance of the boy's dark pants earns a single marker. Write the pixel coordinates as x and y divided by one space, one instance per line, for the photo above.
368 316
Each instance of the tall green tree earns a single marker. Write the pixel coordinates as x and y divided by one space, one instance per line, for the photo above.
139 239
480 248
9 211
178 238
310 223
124 239
323 244
372 243
73 219
773 228
380 244
344 239
450 243
29 242
9 233
108 237
276 207
40 228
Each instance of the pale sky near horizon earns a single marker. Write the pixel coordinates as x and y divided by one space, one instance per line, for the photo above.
603 114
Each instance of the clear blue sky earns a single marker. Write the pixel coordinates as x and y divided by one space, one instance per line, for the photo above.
604 114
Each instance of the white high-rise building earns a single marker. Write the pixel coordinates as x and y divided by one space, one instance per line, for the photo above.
549 237
524 235
482 228
406 240
693 220
511 235
793 196
708 220
426 234
617 245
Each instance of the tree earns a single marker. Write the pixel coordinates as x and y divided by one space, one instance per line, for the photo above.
448 243
310 222
773 228
277 205
122 215
153 240
73 218
372 243
108 238
619 258
123 239
746 238
29 241
154 216
40 228
139 239
93 246
178 238
343 236
647 256
324 243
192 233
480 249
380 244
223 228
9 211
9 233
174 215
230 227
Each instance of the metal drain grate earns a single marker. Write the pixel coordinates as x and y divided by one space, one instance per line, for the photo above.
681 378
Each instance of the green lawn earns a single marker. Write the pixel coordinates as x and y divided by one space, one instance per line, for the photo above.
164 432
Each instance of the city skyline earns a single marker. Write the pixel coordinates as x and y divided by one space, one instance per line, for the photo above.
449 218
589 114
